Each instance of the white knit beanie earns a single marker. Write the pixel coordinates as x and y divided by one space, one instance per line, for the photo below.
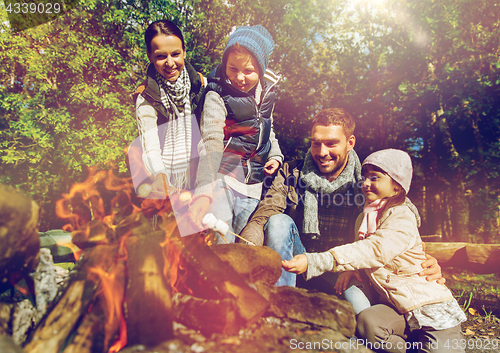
396 163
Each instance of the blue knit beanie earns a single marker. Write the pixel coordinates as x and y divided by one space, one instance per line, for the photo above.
257 40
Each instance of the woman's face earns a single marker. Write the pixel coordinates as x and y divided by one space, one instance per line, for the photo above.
167 55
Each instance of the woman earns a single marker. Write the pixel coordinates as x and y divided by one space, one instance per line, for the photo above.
165 105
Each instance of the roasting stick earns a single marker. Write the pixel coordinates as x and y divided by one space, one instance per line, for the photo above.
236 235
165 183
220 226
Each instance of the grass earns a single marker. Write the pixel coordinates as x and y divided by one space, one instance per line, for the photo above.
477 294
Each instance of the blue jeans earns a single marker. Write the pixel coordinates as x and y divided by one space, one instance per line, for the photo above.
281 234
233 208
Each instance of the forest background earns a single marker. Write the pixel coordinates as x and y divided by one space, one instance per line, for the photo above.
422 76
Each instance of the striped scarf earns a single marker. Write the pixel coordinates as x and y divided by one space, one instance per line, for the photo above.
318 185
177 146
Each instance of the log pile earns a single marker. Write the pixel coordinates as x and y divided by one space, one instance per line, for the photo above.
131 283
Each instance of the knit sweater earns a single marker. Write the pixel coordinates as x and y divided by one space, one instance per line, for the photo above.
213 121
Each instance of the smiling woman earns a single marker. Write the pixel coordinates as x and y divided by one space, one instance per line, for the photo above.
164 105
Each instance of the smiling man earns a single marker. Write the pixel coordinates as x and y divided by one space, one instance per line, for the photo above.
313 203
317 198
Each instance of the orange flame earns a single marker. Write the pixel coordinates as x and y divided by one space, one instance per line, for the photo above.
113 294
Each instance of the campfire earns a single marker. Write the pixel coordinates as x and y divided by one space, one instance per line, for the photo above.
135 276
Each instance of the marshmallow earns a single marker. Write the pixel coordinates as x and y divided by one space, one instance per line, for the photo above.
209 220
221 227
216 224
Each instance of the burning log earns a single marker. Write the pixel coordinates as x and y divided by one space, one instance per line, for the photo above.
207 315
252 263
52 334
94 233
19 238
204 275
148 304
84 340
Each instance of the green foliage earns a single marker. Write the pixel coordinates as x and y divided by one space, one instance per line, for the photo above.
423 76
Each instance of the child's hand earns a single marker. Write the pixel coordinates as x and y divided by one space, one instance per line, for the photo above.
197 210
343 281
296 265
271 166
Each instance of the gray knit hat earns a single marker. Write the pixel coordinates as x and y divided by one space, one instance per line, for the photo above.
257 40
396 163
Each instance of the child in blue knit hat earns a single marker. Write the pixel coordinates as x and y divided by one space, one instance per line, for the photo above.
237 131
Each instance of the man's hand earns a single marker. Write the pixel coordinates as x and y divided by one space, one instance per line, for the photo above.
271 166
296 265
432 270
343 280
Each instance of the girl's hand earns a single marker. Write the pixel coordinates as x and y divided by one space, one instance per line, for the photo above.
296 265
271 166
344 279
198 209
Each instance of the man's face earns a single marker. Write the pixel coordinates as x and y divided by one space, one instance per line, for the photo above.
329 149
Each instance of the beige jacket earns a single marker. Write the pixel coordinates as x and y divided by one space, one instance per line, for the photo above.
392 258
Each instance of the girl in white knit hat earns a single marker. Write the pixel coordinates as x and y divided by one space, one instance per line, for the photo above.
390 251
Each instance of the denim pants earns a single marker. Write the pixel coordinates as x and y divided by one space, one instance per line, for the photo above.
233 208
281 234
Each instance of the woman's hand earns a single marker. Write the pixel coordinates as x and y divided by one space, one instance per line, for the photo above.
344 279
296 265
160 186
271 166
198 210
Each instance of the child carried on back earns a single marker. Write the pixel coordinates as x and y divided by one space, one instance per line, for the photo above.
390 251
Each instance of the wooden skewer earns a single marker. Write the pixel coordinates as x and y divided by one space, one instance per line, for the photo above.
165 183
236 235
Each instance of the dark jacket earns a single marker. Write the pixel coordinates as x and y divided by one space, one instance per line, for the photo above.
247 126
286 195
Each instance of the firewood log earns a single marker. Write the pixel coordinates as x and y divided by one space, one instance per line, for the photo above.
206 315
147 300
206 276
7 345
19 239
84 340
253 263
478 258
311 307
51 334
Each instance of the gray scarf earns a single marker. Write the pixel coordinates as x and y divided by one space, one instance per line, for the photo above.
318 184
177 145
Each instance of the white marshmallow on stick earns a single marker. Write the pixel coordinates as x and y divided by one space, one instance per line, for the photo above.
220 226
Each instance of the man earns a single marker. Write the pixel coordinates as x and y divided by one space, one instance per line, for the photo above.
312 205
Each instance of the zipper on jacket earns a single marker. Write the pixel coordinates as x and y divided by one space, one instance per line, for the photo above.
388 280
260 123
